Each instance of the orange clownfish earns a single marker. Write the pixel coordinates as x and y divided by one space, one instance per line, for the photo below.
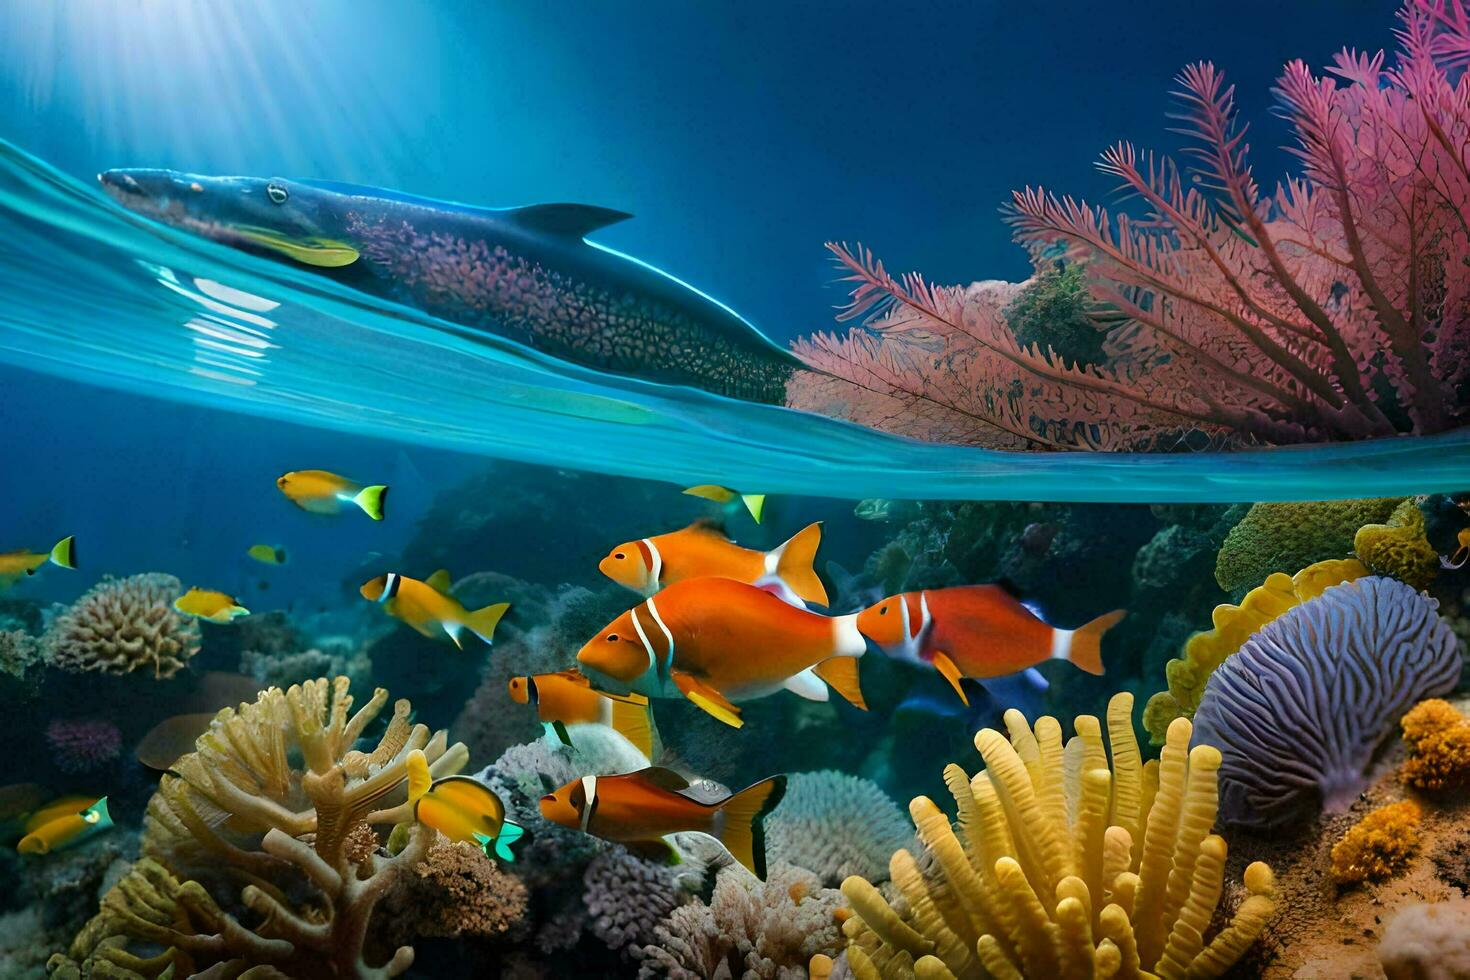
639 809
1462 553
429 608
567 698
716 641
701 550
977 631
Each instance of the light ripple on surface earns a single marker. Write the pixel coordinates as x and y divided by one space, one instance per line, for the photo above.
93 293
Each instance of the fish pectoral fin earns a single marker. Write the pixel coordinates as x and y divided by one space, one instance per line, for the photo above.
950 672
452 630
659 851
807 685
570 220
707 698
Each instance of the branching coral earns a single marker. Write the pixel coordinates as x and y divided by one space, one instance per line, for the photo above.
122 626
1206 651
1438 739
241 834
1283 537
758 930
1378 846
1398 547
1334 307
1300 710
1063 865
835 825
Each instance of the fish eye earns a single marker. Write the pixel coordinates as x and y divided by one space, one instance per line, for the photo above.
619 555
276 192
882 610
612 637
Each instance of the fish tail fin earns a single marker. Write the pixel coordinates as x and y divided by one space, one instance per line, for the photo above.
755 503
742 829
65 553
371 499
635 723
1086 647
794 564
482 622
841 674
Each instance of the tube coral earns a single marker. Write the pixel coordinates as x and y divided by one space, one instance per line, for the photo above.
1300 710
122 626
1378 846
242 827
1075 860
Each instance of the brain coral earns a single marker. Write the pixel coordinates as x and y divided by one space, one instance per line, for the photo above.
835 825
1398 547
123 625
1282 537
1300 710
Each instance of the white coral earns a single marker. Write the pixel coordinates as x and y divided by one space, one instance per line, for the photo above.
834 825
124 625
1429 941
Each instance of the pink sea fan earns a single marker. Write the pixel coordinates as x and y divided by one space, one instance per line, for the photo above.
82 745
1335 307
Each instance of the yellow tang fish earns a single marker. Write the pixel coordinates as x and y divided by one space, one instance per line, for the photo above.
66 822
320 492
754 502
216 607
267 554
428 606
462 809
15 564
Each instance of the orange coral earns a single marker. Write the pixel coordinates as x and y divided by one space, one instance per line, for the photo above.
1438 737
1378 846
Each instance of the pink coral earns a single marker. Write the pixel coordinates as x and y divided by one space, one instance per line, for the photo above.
82 745
1242 314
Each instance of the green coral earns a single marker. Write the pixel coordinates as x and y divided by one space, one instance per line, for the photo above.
1282 537
1398 547
1055 311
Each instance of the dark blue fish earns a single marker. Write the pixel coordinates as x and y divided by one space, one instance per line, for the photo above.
524 273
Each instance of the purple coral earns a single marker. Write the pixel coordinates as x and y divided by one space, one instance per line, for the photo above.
1298 713
82 745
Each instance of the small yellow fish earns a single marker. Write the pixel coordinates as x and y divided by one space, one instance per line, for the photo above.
462 809
267 554
320 492
64 823
428 607
216 607
1461 554
16 564
754 502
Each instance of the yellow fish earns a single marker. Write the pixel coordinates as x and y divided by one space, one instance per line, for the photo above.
320 492
754 502
64 823
1456 560
216 607
267 554
462 809
15 564
428 607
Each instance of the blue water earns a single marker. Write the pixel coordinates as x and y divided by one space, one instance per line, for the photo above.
94 294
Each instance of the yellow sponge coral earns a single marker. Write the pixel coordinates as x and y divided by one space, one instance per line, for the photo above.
1438 738
1203 652
1277 537
1378 846
1398 548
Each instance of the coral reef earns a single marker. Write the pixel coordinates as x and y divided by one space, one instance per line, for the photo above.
82 745
282 669
124 625
455 892
834 825
240 833
758 930
1379 846
1233 625
1299 711
1398 548
1283 537
627 897
1437 736
1428 941
19 651
1064 864
1332 308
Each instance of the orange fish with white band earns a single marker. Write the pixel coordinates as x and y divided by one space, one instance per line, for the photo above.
716 641
701 550
977 631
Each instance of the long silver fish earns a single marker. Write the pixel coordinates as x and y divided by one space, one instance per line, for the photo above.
525 273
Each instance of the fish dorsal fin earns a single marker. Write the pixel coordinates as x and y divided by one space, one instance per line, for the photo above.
440 581
709 525
570 220
664 778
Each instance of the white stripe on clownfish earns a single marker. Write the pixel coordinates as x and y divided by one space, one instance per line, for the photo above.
652 668
589 788
668 663
656 566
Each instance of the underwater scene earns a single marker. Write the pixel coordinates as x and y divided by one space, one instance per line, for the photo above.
727 491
